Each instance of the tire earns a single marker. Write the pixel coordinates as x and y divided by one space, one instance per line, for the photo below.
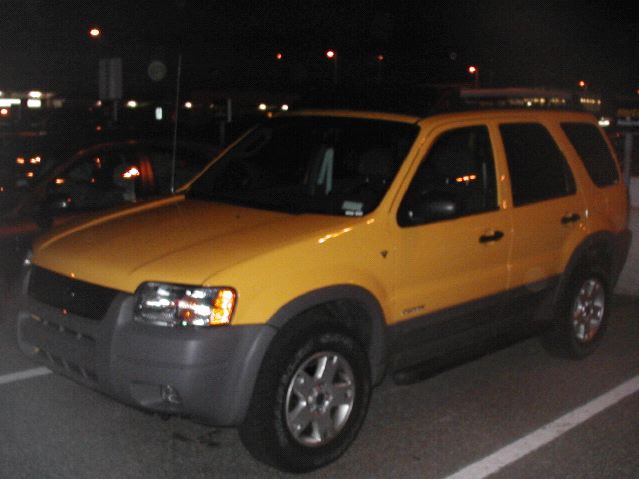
582 317
309 401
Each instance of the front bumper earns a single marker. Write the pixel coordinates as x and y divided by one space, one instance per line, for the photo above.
207 373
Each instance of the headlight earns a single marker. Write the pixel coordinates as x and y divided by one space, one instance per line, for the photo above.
176 305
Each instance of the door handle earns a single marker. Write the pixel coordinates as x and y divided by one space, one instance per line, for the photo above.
570 218
489 237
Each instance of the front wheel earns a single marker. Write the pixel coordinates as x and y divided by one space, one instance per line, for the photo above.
582 317
309 402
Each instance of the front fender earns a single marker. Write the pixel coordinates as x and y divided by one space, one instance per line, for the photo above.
373 330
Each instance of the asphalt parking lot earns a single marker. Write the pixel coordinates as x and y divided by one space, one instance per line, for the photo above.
515 413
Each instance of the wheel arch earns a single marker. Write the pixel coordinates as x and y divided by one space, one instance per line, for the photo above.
596 252
352 308
595 256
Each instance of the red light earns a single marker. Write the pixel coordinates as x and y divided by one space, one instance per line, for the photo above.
4 112
279 56
330 54
582 84
94 32
380 57
472 69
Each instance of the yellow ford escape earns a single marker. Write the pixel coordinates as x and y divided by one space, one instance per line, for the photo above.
325 249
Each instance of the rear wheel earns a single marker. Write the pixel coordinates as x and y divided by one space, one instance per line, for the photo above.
582 317
309 402
588 311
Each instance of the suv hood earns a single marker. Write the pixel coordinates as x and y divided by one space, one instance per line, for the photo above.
171 240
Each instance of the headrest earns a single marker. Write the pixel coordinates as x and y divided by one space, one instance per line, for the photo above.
376 162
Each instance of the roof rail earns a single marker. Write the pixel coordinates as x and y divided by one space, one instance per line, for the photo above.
425 100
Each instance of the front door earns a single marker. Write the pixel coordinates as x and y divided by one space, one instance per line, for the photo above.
453 239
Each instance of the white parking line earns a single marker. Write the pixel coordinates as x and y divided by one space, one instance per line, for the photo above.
26 374
542 436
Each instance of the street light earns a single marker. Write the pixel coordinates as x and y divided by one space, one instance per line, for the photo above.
379 58
473 70
332 56
94 32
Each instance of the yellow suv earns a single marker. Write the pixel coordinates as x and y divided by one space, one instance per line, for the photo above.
325 249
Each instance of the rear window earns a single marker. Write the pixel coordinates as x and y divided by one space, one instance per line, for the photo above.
594 152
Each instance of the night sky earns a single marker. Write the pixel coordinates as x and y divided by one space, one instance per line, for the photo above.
44 43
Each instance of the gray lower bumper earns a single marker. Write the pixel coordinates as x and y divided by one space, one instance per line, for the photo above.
205 373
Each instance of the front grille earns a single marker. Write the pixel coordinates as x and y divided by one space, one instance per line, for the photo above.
74 296
61 347
76 371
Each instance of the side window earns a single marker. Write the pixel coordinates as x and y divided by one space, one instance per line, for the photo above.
456 178
594 152
96 181
538 169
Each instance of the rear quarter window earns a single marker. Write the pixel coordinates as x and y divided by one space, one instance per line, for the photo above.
594 152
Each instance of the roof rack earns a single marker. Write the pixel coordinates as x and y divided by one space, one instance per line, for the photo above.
426 100
520 98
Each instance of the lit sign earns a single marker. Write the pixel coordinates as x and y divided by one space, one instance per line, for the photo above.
6 102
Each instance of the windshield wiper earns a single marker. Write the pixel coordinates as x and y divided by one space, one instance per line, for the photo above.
294 208
290 207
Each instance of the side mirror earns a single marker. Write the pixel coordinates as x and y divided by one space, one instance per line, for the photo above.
430 208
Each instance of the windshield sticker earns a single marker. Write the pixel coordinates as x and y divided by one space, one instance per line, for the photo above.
353 208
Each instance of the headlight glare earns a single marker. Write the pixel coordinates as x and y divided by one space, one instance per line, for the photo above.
177 305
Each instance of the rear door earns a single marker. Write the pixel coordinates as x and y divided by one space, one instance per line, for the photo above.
609 197
549 213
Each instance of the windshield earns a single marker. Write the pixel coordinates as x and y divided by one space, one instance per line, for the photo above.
325 165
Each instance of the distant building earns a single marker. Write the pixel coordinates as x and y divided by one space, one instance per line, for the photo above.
531 98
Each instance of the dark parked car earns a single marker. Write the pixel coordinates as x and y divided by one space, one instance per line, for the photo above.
95 178
37 141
